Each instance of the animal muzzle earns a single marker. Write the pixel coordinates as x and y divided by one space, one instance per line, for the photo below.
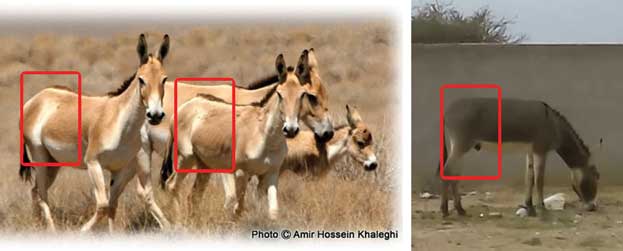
290 130
324 136
370 164
325 133
154 118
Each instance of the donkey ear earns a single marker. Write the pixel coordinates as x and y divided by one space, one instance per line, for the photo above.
353 116
141 49
164 48
596 151
302 68
311 59
280 65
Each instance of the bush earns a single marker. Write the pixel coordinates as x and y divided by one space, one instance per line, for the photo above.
442 23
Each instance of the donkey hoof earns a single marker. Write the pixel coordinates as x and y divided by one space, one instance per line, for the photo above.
461 211
531 211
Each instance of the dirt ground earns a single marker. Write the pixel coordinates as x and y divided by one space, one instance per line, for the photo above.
569 229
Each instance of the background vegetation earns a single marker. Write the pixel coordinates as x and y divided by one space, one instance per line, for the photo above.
440 22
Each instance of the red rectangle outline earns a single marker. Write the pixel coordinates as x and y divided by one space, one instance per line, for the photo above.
21 118
233 127
441 131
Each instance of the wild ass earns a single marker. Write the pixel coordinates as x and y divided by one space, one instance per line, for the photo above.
204 133
308 156
539 128
111 136
159 135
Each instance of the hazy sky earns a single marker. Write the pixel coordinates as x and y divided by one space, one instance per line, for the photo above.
555 20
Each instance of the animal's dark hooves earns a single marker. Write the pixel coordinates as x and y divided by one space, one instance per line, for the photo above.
531 211
461 212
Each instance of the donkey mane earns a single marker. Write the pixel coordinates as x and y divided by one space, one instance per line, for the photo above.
567 124
262 82
123 87
260 103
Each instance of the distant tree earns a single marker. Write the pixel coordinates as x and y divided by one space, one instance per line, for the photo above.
442 23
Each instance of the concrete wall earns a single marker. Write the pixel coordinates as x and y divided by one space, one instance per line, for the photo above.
583 82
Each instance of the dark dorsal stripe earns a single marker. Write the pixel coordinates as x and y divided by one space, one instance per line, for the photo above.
262 82
565 122
123 87
260 103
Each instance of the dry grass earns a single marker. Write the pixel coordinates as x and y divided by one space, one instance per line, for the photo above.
357 65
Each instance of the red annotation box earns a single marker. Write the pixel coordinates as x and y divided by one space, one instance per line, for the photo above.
233 126
21 118
441 130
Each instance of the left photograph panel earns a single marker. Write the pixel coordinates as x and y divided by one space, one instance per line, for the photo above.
235 130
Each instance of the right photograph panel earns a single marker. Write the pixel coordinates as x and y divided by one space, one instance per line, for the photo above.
535 88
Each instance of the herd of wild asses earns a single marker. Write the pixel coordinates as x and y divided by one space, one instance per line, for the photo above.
122 129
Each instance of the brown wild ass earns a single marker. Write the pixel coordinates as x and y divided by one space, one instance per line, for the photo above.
160 135
204 133
111 135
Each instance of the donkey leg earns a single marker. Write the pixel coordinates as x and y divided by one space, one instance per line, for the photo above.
198 189
145 188
529 183
96 174
457 198
173 184
539 168
241 189
457 150
229 186
44 176
118 182
270 182
444 198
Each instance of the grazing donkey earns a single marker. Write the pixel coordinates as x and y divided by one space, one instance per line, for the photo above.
308 156
261 130
111 135
159 135
534 125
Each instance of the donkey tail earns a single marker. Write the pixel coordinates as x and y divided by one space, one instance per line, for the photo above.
25 171
167 166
